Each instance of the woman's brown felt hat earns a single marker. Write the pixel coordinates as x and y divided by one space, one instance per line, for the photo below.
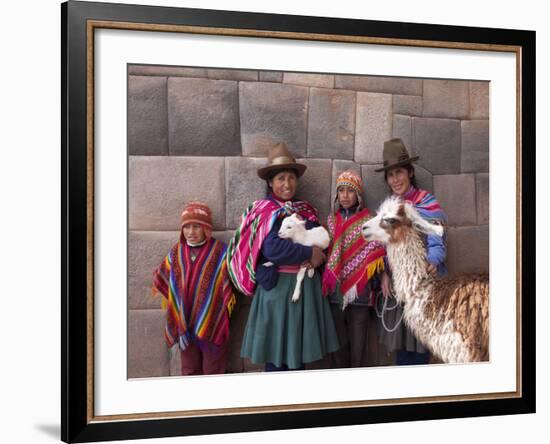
395 155
279 158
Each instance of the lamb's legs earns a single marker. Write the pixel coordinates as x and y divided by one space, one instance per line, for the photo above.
299 278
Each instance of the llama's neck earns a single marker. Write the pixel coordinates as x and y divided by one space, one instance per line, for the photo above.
408 262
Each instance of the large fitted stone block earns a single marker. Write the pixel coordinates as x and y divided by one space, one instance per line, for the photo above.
446 98
147 116
437 142
167 71
482 196
159 187
331 127
373 126
479 100
424 179
148 354
243 186
339 166
271 76
408 105
314 185
374 185
203 117
233 74
468 249
457 196
146 250
402 129
303 79
272 113
475 146
392 85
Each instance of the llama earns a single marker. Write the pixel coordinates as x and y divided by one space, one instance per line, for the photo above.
294 229
450 315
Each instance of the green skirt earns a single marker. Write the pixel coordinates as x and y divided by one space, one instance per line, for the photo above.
284 332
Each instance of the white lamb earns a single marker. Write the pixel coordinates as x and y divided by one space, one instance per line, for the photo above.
294 229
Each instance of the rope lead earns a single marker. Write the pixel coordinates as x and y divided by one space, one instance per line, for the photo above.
385 309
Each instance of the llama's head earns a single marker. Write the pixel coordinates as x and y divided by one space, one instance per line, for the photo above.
395 218
290 225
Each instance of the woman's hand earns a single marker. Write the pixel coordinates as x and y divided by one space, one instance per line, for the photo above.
317 257
386 285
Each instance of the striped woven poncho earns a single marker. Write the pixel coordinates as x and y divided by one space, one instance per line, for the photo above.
426 204
197 294
352 260
244 249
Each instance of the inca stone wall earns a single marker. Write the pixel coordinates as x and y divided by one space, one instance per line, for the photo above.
203 133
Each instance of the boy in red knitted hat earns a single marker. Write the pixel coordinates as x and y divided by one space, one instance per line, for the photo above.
196 293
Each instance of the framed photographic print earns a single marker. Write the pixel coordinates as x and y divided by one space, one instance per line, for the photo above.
176 118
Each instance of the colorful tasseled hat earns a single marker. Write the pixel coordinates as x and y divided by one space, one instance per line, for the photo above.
350 178
199 213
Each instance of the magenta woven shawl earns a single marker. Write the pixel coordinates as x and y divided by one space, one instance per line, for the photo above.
257 220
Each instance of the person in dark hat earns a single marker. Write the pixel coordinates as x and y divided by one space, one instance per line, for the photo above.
280 333
399 174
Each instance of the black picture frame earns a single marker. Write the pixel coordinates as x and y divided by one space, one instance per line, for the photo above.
78 423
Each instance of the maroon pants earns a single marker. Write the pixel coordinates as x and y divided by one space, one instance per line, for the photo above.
195 361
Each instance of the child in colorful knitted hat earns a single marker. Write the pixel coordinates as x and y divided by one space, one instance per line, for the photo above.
349 191
196 223
197 294
351 272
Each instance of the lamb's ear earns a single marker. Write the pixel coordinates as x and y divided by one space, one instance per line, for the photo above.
420 223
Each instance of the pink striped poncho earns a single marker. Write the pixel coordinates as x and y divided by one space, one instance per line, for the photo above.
257 220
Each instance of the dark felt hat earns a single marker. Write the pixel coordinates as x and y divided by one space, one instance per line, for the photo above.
395 155
279 158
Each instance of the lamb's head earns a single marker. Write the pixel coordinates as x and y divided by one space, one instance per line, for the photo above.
394 220
291 224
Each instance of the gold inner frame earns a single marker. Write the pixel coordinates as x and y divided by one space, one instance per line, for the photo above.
92 25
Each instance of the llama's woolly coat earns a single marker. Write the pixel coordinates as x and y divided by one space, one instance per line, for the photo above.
436 252
450 315
441 313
